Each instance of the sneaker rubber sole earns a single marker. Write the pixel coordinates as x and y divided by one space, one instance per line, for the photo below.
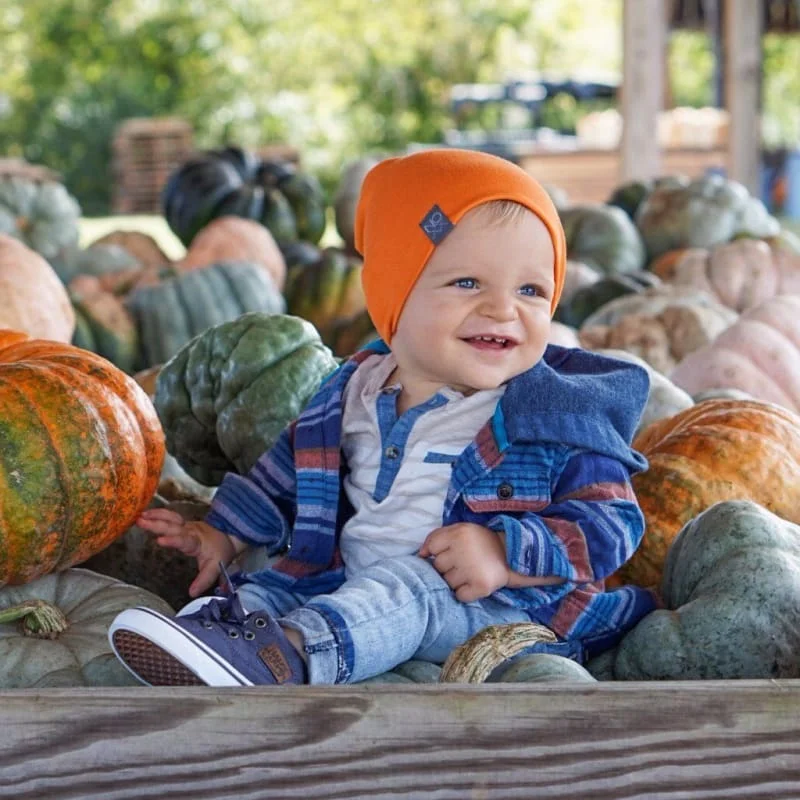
161 653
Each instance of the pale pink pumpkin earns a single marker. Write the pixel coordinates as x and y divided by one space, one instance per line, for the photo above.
759 354
740 274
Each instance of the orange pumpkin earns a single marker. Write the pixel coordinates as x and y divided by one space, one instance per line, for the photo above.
32 298
713 451
236 239
81 451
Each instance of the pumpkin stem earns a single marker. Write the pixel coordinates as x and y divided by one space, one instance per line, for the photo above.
36 618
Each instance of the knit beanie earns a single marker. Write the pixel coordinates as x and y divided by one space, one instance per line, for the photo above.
410 203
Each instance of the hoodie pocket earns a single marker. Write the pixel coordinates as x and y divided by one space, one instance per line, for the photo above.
497 494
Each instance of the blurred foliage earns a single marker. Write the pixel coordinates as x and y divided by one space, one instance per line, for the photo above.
691 65
781 91
336 80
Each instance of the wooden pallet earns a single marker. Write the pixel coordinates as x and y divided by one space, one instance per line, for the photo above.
145 153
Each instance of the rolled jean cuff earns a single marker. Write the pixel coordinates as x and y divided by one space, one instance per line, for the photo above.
325 661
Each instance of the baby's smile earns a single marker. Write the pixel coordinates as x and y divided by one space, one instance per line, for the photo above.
490 342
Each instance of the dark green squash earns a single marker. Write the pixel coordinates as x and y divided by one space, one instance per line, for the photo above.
169 314
588 299
326 291
300 254
234 181
224 397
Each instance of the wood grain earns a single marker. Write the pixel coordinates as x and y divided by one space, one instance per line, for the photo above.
732 739
743 91
644 37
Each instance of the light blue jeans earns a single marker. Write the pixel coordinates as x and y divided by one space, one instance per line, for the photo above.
395 610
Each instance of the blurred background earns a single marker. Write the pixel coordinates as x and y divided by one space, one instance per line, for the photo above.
337 80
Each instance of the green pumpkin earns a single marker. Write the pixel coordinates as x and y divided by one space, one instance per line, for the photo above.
541 668
171 313
325 291
731 590
629 196
532 668
708 211
234 181
98 259
75 607
588 299
42 215
413 671
225 397
603 237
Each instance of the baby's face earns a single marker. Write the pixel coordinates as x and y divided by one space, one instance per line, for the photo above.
480 312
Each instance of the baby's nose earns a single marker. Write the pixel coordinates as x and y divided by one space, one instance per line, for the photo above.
499 305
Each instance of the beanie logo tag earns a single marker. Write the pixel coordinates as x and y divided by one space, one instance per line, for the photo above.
435 224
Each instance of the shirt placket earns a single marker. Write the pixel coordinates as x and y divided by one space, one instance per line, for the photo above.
394 433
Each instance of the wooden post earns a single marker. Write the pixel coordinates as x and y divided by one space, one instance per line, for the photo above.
742 25
644 50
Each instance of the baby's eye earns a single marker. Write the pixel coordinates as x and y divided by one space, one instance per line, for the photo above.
529 290
465 283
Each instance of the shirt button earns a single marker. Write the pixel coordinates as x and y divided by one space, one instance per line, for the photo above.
391 451
505 491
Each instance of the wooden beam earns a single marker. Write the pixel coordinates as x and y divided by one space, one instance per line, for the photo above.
698 739
644 36
742 22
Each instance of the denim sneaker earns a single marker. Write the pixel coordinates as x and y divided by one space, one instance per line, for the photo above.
218 645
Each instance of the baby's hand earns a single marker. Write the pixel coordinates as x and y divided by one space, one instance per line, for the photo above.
196 539
469 557
167 525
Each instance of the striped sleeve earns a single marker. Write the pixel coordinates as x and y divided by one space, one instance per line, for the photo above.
259 508
592 526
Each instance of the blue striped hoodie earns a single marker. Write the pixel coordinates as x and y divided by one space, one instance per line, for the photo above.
550 470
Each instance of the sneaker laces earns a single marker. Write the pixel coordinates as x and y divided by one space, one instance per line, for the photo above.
225 610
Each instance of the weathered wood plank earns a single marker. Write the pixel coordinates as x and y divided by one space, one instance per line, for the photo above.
742 22
738 739
644 36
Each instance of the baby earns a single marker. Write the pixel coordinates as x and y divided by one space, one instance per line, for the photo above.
456 473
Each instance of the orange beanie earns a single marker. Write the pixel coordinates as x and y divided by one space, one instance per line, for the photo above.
409 204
